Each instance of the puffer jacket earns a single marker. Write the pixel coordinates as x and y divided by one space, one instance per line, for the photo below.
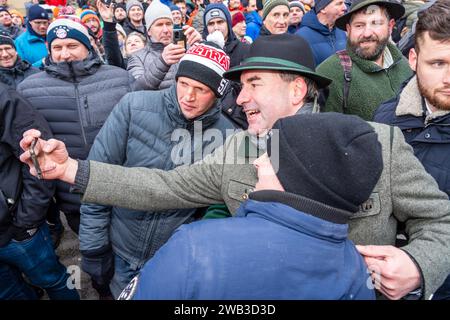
149 69
254 24
23 198
139 133
429 135
323 41
75 98
15 75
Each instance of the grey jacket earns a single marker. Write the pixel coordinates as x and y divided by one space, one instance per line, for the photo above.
405 192
149 69
138 133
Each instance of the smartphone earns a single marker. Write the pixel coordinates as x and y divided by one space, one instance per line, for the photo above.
179 37
37 167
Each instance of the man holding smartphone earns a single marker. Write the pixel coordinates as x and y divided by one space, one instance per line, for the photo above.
154 67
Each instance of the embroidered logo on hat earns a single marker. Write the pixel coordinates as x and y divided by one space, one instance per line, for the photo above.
61 33
215 13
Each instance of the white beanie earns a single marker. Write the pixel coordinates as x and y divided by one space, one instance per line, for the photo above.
156 10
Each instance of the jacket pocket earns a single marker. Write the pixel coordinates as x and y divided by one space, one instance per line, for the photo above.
238 190
370 207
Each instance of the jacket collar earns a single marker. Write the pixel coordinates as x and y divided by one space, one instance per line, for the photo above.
19 67
73 71
412 103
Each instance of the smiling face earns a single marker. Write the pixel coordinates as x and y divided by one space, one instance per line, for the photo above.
265 98
67 50
136 14
194 97
368 32
8 56
5 19
432 66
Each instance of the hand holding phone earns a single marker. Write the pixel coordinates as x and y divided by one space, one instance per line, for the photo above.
34 158
179 37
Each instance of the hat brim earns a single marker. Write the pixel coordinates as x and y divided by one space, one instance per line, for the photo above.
234 73
396 11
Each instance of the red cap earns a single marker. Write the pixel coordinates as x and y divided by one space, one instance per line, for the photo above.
237 17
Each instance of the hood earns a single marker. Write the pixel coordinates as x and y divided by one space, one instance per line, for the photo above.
221 7
176 116
310 20
73 71
253 17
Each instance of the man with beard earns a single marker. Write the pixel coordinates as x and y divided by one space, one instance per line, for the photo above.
422 109
377 67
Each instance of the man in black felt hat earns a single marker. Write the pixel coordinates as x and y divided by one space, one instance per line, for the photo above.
278 80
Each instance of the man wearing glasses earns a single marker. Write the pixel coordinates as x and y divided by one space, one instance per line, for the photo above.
31 44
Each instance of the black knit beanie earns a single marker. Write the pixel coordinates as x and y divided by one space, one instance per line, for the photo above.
5 38
331 158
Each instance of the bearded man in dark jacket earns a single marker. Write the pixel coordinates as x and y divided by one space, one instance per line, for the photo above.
76 93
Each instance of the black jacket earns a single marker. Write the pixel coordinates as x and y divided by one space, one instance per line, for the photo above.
15 75
31 196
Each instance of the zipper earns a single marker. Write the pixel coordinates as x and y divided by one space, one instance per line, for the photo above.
77 97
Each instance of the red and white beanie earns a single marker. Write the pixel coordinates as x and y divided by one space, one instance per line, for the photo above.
206 63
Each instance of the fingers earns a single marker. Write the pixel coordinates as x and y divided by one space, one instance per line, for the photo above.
52 145
28 137
376 251
192 35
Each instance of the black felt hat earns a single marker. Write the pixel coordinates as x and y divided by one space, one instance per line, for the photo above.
281 52
395 9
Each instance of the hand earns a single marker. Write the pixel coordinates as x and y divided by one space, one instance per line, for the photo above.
52 156
172 53
192 35
393 271
107 13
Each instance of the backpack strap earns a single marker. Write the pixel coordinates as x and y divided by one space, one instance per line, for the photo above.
346 64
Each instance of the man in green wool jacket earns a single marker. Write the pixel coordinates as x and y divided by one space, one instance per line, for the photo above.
377 67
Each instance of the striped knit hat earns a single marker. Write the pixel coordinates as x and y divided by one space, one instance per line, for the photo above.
270 4
88 14
206 63
68 28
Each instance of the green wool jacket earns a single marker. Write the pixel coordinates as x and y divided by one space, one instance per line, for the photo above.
370 86
404 192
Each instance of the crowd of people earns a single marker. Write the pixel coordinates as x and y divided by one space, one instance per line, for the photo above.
241 149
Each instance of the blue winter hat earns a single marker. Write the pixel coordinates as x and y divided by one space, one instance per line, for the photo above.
37 12
67 28
174 8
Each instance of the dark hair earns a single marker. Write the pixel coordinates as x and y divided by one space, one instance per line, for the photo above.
179 1
311 86
436 21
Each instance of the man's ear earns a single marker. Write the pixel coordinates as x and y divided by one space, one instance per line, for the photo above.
412 59
391 25
298 91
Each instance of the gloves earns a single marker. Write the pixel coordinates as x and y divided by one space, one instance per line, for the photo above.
100 268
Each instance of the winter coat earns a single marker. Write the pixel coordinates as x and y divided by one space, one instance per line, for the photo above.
139 134
228 176
24 199
30 47
256 255
370 85
323 41
149 69
129 28
15 75
75 98
254 24
113 55
429 135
